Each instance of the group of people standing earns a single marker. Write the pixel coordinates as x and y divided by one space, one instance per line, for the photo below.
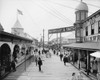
64 58
37 58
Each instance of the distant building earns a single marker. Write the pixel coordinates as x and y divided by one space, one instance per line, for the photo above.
63 41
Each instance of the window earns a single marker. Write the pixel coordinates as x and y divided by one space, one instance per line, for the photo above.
82 15
77 16
92 29
99 26
86 14
92 22
86 31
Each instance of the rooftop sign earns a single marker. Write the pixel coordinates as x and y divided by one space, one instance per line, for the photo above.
60 30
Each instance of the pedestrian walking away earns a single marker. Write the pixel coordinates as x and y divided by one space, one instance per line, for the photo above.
40 63
61 56
54 51
65 59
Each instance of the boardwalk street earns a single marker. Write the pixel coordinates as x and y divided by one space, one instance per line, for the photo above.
33 23
52 69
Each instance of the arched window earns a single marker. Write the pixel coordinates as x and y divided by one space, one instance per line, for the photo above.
15 52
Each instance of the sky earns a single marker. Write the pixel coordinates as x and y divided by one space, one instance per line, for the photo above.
42 14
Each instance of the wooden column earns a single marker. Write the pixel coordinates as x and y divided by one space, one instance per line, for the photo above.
79 57
88 62
73 56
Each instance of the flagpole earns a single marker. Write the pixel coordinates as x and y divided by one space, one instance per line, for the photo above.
18 12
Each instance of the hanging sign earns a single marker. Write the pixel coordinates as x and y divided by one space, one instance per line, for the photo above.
60 30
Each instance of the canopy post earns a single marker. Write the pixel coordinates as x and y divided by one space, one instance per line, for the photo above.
79 55
88 58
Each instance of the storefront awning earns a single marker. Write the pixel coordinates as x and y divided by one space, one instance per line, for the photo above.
96 54
86 45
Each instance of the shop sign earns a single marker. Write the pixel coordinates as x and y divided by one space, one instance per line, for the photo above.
94 38
60 30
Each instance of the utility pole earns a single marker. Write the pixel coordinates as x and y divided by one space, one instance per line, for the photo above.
60 42
57 41
43 40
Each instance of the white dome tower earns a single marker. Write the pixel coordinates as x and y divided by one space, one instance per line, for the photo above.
81 11
81 14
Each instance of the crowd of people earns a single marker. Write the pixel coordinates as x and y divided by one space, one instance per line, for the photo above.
38 59
38 56
65 57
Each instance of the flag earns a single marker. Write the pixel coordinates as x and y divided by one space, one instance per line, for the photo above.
19 12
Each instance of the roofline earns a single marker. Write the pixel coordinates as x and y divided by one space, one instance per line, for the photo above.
98 11
16 28
14 36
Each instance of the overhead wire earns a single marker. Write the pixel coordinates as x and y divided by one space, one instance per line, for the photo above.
65 6
61 4
79 1
53 9
62 15
58 13
50 12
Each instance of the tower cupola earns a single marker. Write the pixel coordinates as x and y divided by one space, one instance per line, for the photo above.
17 28
81 11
